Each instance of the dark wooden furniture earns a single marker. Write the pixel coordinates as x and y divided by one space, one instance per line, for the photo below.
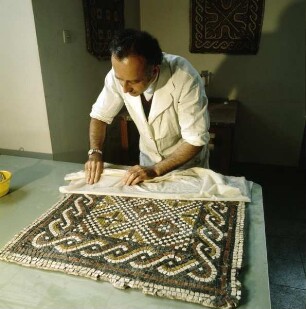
223 115
223 118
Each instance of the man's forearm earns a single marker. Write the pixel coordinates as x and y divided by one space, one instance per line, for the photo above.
97 131
94 165
182 155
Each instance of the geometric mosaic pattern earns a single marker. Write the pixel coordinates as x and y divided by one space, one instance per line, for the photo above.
182 249
103 19
230 27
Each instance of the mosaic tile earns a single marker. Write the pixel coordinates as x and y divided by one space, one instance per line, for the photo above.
189 250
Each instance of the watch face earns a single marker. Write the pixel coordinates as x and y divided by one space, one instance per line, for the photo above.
90 152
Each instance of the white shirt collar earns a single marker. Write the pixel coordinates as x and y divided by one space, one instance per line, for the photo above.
150 90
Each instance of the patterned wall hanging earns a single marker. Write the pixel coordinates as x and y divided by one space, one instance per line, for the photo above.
103 19
190 250
226 26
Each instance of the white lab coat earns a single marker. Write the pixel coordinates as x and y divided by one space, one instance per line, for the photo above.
178 111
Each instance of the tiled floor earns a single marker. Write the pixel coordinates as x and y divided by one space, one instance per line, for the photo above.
284 192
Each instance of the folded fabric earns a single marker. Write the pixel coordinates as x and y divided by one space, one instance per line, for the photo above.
194 183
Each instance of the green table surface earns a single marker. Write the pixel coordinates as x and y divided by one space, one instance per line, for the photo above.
35 188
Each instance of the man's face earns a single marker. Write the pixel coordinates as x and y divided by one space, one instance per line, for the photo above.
133 74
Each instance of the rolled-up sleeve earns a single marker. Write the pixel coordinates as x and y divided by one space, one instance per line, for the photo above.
109 102
193 114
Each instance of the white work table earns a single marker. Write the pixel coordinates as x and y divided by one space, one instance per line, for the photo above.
34 189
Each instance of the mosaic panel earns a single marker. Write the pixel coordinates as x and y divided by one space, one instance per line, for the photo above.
229 27
182 249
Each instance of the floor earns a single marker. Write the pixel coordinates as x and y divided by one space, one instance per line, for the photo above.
284 205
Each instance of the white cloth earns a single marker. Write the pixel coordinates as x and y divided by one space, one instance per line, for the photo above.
178 112
194 183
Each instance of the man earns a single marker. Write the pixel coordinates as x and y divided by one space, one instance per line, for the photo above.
164 96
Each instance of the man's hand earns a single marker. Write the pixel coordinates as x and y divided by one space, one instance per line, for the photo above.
138 174
93 168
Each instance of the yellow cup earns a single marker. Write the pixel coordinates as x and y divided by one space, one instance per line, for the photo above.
5 180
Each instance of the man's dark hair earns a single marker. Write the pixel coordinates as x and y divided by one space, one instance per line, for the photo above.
135 42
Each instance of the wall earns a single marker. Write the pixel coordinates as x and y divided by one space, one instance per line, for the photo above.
72 77
270 85
23 116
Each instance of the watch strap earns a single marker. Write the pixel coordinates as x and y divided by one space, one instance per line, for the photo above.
94 150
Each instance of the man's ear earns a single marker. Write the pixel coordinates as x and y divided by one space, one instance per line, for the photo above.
155 69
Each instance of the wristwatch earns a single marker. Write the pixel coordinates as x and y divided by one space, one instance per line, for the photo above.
94 150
